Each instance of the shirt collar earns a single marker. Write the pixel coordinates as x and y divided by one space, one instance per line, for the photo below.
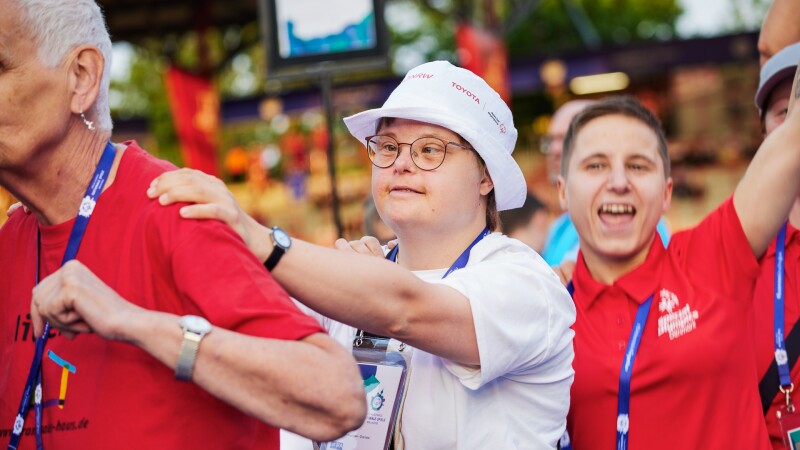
638 284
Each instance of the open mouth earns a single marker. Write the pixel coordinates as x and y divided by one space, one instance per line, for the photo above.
616 213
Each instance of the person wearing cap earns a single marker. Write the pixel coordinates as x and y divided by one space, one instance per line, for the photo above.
562 240
663 351
492 365
772 100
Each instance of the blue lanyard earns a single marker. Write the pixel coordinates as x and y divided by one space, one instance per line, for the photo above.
780 345
34 380
460 262
624 399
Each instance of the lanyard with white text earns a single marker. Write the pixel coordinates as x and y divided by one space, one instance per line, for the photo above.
461 261
781 357
34 380
624 399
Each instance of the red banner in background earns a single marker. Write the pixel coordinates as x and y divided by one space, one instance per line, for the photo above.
195 111
484 55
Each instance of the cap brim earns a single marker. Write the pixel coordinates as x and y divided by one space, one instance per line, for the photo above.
762 94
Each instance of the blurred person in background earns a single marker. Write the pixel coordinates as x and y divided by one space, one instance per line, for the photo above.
562 243
781 27
528 223
165 333
661 333
488 319
777 300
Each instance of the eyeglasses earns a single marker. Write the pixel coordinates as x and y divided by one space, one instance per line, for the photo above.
427 152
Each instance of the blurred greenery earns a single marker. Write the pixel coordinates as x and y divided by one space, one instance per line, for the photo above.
420 30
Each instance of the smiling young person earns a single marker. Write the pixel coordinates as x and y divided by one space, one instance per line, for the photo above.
492 365
663 359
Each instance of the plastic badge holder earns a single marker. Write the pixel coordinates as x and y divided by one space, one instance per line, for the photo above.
384 373
789 422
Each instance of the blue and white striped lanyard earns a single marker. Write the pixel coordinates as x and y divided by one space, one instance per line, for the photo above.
78 229
781 358
626 372
460 262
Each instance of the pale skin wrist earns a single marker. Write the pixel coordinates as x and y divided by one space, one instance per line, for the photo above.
260 239
140 324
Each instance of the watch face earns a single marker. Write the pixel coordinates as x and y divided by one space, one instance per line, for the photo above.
195 324
281 238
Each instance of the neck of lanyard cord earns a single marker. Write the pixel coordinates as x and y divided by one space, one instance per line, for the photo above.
780 345
626 372
33 384
460 262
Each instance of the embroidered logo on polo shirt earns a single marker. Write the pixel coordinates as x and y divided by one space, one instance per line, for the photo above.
674 320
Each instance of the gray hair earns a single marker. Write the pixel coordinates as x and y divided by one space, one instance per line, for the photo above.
58 27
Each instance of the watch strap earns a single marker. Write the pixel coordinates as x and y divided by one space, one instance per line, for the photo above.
187 355
274 257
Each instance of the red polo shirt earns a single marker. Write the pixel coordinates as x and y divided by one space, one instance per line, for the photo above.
764 318
694 382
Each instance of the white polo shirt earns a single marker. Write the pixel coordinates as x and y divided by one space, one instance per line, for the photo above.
519 396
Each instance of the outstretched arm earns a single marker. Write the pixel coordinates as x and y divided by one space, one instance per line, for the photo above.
767 191
321 400
352 288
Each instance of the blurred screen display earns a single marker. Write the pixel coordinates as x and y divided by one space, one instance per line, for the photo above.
313 27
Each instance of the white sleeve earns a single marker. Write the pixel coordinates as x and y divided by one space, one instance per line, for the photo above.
522 315
342 333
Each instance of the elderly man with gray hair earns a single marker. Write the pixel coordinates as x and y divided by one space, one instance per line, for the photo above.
124 326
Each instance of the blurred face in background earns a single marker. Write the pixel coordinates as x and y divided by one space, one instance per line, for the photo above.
553 143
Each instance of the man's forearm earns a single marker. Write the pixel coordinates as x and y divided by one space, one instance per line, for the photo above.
311 386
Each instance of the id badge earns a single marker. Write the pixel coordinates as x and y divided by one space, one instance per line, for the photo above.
384 374
789 423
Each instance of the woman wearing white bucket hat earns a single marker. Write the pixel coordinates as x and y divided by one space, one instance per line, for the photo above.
492 365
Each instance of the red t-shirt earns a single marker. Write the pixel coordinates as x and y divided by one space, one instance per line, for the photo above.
764 317
694 383
119 397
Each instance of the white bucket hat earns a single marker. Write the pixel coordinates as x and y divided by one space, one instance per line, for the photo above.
443 94
779 67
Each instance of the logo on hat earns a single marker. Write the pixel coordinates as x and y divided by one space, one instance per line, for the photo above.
419 75
466 92
502 126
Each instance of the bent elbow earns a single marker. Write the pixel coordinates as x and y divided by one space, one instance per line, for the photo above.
347 412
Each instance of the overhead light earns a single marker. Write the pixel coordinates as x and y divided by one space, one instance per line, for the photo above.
603 82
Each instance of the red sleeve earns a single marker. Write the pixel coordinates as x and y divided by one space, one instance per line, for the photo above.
217 275
717 251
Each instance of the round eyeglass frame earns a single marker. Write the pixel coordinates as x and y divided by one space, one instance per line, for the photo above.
410 146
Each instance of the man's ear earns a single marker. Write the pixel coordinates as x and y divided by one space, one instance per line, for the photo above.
85 69
561 184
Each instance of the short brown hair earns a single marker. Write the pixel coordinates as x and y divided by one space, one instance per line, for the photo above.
624 105
492 215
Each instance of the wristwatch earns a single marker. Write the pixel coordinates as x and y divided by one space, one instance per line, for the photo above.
281 241
194 329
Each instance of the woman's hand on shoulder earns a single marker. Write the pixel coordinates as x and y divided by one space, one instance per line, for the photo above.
211 200
367 245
